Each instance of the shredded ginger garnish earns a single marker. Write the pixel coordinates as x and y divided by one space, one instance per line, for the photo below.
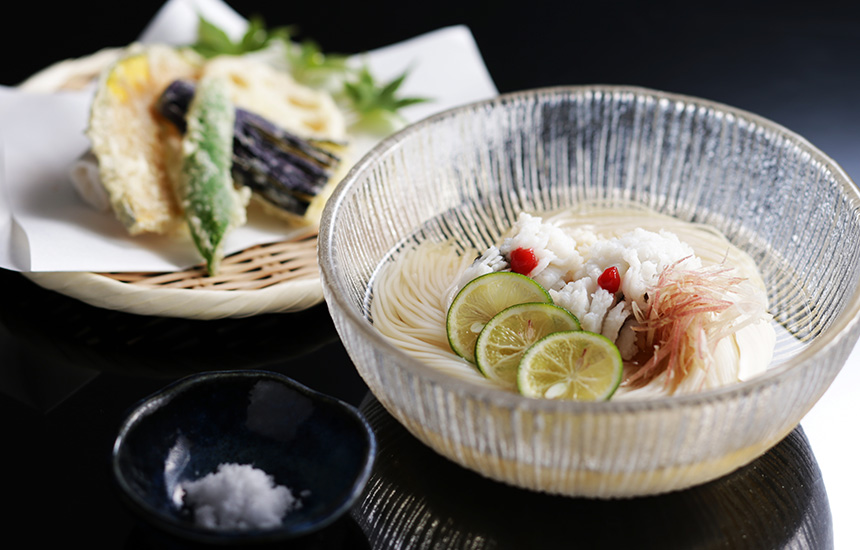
689 312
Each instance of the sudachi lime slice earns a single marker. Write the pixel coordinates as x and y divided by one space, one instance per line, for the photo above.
480 300
506 337
576 365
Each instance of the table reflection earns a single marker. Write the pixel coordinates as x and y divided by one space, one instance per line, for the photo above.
418 499
67 331
344 534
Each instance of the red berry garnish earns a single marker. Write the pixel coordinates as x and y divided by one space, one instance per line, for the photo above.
610 280
523 260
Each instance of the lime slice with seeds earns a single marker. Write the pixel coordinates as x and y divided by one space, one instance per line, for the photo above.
480 300
506 337
575 365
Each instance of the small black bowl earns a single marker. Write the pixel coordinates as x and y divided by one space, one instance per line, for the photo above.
316 445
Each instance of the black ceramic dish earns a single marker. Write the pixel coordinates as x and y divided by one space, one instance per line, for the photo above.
307 441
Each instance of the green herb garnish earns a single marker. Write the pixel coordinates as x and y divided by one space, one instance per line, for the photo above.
377 103
308 63
212 40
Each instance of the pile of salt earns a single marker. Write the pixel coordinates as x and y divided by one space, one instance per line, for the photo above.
238 496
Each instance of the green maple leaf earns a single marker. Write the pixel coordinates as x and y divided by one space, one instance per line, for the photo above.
310 65
212 40
378 102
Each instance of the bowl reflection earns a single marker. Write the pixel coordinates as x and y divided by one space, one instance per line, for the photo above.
415 498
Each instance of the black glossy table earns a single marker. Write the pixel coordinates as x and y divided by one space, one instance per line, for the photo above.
69 371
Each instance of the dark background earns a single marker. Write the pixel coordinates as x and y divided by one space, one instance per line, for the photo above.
69 371
797 63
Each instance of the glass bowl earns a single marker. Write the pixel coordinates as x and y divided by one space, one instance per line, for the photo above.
468 172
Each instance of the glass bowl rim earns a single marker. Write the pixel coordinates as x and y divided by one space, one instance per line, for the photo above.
839 329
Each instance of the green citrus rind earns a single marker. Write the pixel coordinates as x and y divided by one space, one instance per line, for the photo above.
480 300
573 365
505 338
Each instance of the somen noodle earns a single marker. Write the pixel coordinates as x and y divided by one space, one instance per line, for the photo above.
703 325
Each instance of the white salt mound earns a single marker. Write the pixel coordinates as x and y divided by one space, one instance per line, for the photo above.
238 496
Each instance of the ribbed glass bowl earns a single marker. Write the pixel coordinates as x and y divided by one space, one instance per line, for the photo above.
468 172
